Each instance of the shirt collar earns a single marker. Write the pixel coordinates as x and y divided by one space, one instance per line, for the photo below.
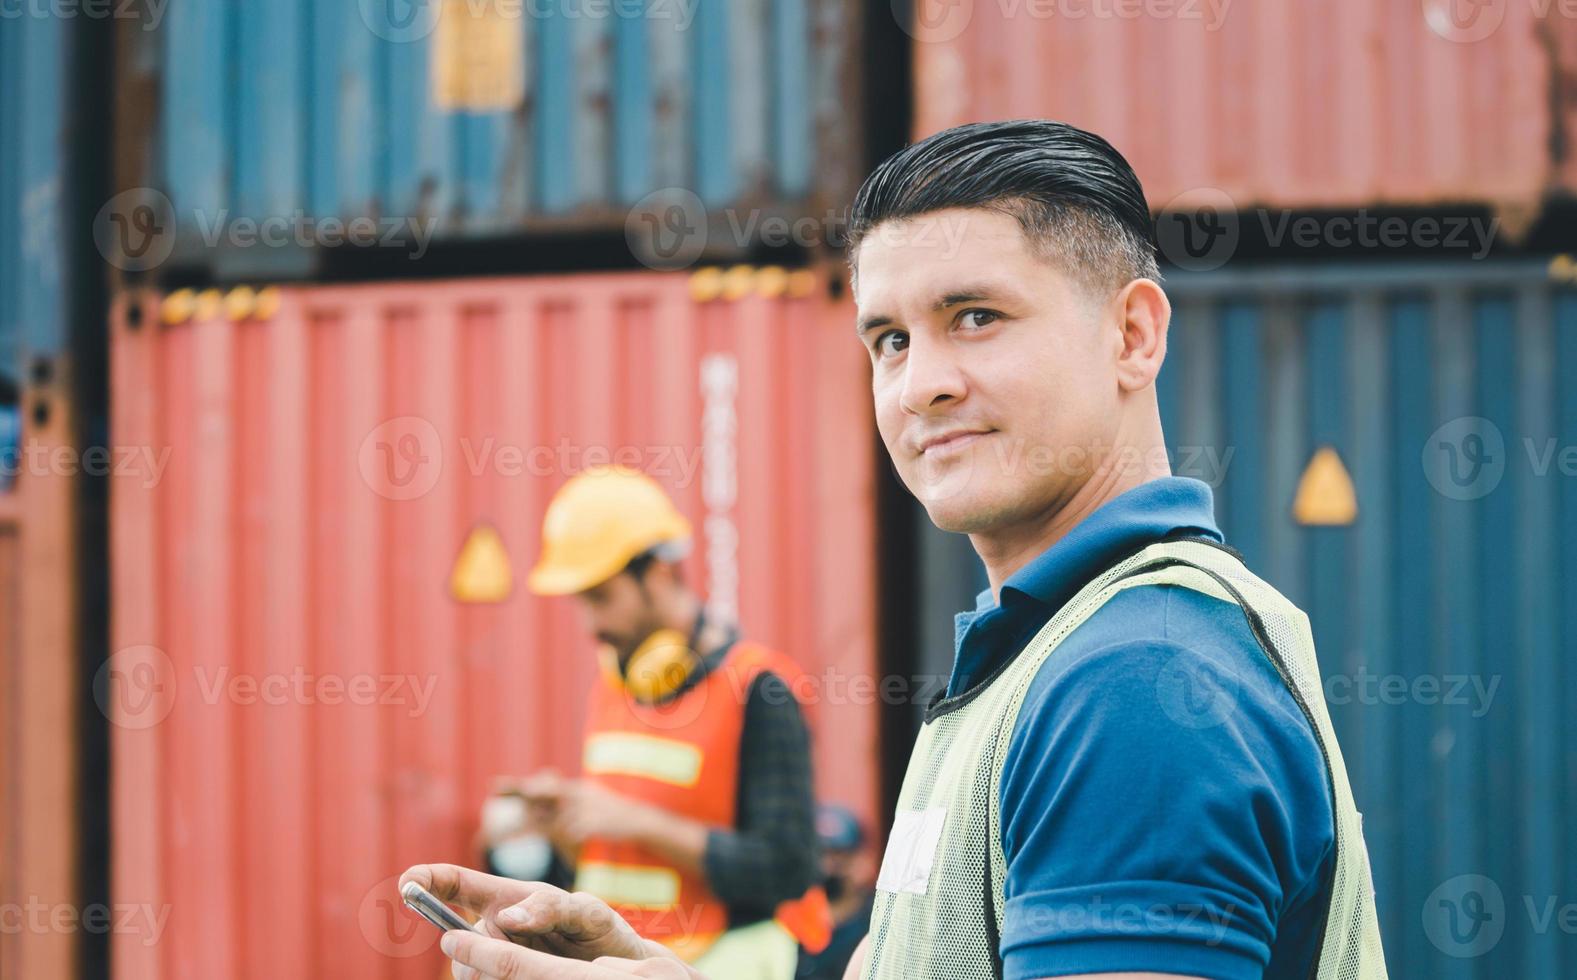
1118 527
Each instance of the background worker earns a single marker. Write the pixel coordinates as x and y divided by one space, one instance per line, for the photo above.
694 816
1132 772
846 877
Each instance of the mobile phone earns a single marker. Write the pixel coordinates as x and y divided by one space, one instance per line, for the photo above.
425 905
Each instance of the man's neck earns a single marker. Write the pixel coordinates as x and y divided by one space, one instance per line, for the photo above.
1008 549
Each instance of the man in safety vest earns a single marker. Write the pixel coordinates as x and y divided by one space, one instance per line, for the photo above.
1131 772
695 815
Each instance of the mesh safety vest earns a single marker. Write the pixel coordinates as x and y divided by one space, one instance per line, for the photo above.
939 909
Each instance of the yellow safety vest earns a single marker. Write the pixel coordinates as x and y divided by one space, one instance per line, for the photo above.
939 906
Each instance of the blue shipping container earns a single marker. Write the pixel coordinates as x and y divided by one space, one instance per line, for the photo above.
1446 613
311 109
33 119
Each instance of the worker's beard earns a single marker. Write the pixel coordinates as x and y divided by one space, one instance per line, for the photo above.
625 644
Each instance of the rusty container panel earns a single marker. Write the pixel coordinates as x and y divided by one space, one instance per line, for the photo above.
1296 105
302 709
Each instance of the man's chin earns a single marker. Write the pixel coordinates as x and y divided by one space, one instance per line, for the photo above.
959 514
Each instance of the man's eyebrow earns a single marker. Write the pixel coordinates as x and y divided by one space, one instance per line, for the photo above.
870 323
966 294
971 294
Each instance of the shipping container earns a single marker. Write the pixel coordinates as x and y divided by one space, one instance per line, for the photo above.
317 460
1332 105
485 118
1449 393
1443 608
40 879
33 167
40 693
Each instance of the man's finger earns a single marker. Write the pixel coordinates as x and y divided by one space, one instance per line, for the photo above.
422 874
536 914
445 881
501 960
471 890
575 916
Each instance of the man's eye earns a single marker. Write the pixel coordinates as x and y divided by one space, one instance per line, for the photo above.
978 318
892 342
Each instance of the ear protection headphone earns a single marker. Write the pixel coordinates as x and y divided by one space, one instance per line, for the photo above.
659 666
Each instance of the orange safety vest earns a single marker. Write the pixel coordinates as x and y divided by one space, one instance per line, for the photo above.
681 755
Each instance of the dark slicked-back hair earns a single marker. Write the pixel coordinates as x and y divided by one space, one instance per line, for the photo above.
1077 200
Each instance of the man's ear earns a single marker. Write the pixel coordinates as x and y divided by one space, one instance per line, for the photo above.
1143 313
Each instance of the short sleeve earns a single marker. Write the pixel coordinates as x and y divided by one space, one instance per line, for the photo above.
1163 803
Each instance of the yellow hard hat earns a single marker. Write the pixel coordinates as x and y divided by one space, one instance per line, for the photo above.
599 521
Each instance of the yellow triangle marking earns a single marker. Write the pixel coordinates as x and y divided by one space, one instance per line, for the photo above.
1325 492
481 572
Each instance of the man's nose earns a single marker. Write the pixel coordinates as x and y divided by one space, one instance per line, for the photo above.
932 377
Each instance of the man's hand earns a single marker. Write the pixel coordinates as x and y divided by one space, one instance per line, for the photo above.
587 810
544 793
536 915
479 958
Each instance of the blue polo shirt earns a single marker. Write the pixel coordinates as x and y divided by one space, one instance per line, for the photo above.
1164 803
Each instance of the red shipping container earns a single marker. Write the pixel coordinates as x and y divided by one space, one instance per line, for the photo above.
1335 104
304 709
41 901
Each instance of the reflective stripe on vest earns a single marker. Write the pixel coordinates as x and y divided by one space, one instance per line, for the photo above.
666 760
939 901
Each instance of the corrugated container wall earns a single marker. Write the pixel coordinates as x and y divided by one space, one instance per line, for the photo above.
39 683
491 117
1342 104
304 708
33 117
1445 614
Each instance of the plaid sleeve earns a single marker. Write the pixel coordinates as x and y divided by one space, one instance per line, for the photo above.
771 855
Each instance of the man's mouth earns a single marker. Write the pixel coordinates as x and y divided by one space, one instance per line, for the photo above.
944 443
